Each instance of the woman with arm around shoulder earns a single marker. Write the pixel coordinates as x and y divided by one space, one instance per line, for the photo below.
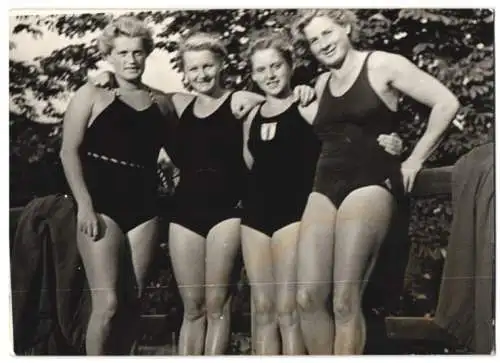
110 145
281 151
357 185
204 236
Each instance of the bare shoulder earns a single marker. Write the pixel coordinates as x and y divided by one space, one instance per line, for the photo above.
389 63
88 94
321 80
180 101
164 100
242 102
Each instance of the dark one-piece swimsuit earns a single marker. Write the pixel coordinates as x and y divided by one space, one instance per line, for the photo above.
119 157
209 155
285 151
351 158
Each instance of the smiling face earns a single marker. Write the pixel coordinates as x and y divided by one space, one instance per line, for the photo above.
128 57
202 69
328 41
271 71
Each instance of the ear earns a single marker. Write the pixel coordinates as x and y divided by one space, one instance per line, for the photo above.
348 29
252 76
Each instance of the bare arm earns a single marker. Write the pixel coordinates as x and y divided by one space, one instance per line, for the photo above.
242 102
309 112
75 123
408 79
247 155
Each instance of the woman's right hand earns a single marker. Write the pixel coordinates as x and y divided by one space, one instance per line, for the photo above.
104 79
88 222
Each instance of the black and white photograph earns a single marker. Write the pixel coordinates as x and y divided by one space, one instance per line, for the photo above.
252 181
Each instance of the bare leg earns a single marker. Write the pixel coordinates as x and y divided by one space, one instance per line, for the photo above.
223 242
101 261
314 274
257 256
187 251
362 224
142 243
284 251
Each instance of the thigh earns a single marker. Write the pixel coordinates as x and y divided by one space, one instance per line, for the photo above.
363 221
187 252
222 246
316 241
284 252
258 260
101 258
143 243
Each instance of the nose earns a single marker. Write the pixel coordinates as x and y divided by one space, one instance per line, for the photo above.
323 44
270 74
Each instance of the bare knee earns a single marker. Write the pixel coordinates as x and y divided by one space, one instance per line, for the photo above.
346 303
264 309
311 299
105 305
194 308
217 300
287 313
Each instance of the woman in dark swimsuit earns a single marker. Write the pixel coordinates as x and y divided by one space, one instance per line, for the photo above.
111 141
282 151
357 184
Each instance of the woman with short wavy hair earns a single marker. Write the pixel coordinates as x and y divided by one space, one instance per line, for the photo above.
110 145
357 185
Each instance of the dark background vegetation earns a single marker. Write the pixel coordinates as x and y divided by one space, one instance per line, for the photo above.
454 45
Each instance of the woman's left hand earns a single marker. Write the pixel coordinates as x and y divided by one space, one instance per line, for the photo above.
304 94
409 171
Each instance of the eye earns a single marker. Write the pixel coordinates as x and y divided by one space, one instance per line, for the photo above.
277 65
259 69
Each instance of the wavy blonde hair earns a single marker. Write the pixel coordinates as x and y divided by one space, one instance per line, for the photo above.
199 40
303 17
125 25
271 39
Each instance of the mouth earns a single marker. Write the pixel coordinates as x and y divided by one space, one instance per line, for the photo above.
204 82
329 52
272 84
132 69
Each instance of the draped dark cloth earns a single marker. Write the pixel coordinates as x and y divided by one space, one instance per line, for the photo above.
50 296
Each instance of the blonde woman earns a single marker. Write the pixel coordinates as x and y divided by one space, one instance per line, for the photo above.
110 145
357 185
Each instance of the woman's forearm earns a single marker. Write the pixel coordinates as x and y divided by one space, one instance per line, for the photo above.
74 174
440 117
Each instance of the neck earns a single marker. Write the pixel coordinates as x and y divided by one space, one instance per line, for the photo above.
129 85
348 63
280 99
216 93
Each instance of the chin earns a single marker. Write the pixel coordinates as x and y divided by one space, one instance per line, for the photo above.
204 89
131 77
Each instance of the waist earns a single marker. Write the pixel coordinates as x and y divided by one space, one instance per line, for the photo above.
121 162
